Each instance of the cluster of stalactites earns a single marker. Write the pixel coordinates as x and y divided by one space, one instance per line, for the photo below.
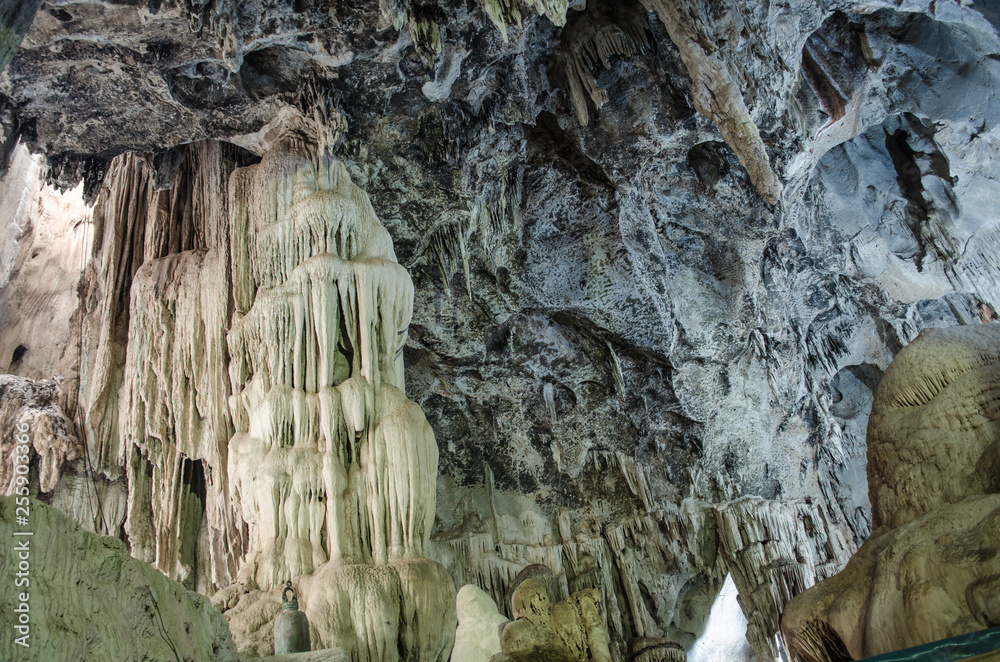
296 204
590 41
172 414
508 12
363 493
330 320
330 461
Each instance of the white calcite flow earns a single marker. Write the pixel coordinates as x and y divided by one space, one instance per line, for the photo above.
331 466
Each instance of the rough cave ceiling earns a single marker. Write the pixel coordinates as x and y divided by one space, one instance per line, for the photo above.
660 252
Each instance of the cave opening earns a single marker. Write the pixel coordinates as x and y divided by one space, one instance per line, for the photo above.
17 357
724 637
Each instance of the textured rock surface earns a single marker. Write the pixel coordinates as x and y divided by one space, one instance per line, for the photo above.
926 571
568 631
614 334
477 638
33 407
74 575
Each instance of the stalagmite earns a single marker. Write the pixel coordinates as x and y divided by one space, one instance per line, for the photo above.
928 568
477 638
332 467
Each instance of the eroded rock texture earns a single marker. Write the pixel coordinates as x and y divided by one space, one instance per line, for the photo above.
73 574
569 630
928 570
661 255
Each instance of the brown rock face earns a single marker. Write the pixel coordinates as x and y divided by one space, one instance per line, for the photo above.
930 571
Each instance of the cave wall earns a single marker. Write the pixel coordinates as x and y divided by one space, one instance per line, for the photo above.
646 328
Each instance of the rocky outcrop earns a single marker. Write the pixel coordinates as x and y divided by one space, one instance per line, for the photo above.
926 571
43 251
570 630
774 551
61 576
31 409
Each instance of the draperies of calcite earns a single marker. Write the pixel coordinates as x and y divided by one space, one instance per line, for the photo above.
332 467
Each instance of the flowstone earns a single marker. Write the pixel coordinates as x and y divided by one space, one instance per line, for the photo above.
69 576
331 466
930 568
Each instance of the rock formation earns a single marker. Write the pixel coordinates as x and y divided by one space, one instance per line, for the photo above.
332 467
477 638
70 575
928 570
661 255
568 631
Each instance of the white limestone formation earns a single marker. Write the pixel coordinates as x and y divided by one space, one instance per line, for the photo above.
155 405
331 466
173 421
44 239
478 637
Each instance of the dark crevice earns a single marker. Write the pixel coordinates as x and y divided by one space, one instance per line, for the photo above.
908 177
194 497
61 15
926 216
834 64
17 358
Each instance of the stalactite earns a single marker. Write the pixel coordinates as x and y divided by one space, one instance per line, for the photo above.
424 30
446 247
508 12
605 30
172 408
332 467
775 551
155 398
716 95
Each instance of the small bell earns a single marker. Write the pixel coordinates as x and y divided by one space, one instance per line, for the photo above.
291 627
